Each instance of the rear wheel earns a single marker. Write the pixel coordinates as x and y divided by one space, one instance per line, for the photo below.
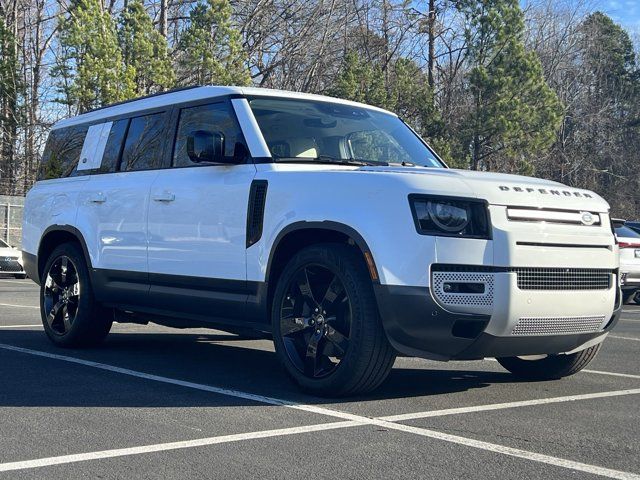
70 315
628 296
327 330
549 367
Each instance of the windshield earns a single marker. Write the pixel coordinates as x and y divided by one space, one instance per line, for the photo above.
308 130
625 231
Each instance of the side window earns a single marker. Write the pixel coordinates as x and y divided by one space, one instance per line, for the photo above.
217 117
114 146
143 147
62 153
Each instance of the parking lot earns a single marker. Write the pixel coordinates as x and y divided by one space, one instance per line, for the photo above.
155 402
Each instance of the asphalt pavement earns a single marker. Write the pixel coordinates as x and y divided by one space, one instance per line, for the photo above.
154 402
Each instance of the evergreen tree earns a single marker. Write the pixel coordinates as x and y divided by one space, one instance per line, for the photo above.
513 113
144 50
211 48
91 71
11 94
361 81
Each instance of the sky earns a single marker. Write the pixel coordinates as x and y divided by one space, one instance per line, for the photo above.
625 12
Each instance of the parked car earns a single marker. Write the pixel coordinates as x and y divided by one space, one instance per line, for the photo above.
11 261
327 225
629 246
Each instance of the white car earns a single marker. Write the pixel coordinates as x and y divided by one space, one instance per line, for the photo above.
629 245
328 225
11 261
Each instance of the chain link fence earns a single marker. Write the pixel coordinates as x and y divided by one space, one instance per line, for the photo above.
11 210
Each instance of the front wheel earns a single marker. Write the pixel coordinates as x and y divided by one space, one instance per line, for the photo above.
70 315
549 367
327 330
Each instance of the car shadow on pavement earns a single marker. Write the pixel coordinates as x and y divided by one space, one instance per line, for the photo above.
223 361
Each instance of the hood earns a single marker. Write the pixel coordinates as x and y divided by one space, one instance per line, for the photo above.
505 189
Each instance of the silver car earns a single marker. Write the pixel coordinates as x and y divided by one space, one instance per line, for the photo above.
629 243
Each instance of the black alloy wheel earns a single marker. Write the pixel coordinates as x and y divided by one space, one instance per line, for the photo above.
315 321
327 330
71 316
61 297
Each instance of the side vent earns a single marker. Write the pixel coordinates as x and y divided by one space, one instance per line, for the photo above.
255 213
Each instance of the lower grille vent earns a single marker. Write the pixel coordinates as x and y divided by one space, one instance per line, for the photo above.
557 325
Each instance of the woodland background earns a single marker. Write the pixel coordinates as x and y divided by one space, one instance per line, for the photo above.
550 89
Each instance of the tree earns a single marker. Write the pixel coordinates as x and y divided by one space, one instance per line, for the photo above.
360 81
513 113
10 112
144 51
90 68
210 49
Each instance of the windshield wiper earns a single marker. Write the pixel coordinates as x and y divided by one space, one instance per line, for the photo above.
332 160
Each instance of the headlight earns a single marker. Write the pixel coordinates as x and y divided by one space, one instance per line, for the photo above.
450 216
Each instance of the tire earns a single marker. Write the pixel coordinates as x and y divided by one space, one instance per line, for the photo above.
552 367
347 352
70 315
627 296
636 298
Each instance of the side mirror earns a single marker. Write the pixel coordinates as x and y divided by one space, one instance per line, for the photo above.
206 147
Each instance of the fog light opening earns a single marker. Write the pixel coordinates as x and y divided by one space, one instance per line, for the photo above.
464 287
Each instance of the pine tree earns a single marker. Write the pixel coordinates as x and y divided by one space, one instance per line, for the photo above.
211 49
513 112
11 93
144 50
91 71
360 81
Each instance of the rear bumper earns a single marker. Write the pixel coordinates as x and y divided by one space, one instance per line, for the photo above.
417 325
30 264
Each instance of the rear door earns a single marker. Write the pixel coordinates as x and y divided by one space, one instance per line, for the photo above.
113 215
197 221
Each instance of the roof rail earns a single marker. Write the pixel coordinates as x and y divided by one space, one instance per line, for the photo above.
173 90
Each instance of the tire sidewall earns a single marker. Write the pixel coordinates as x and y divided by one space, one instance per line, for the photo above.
330 257
81 325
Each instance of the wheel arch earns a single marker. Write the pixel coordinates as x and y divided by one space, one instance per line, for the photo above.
296 236
56 235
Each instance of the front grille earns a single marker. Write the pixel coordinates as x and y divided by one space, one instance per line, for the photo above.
557 325
539 278
10 265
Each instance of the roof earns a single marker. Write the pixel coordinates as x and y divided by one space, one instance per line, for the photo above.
196 93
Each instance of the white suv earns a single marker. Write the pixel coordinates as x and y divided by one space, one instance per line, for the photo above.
328 225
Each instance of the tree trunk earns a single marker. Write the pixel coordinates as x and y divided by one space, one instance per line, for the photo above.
432 35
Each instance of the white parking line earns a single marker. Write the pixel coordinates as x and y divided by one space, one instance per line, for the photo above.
613 374
161 447
624 338
17 306
502 406
357 419
20 326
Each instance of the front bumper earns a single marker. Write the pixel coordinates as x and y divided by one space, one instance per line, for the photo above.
11 266
416 325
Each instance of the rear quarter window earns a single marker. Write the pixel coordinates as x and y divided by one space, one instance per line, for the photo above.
62 153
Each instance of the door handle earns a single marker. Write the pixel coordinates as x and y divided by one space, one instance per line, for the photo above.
164 197
98 198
